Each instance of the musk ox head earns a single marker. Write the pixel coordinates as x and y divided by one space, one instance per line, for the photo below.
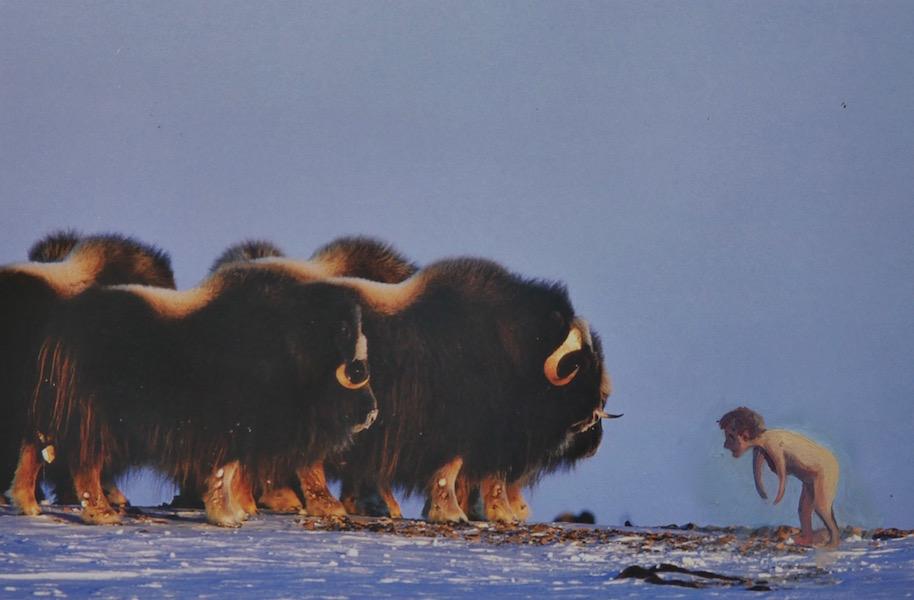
328 346
561 361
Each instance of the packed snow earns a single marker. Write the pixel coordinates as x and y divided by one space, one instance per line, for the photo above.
161 553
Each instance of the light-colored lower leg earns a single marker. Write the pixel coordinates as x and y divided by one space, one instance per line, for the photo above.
518 503
443 505
221 507
280 499
805 511
22 492
244 494
319 502
96 510
495 499
387 495
824 505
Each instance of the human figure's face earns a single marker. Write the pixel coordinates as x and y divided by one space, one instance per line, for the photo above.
735 442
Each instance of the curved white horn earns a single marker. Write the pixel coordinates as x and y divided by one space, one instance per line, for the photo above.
573 342
347 383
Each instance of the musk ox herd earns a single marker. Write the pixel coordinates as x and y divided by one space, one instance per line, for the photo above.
458 380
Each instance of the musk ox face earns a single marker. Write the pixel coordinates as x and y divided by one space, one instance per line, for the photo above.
574 382
348 401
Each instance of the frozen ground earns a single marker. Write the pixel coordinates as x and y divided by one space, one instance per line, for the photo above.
168 554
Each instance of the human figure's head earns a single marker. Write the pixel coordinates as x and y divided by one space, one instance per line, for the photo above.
741 426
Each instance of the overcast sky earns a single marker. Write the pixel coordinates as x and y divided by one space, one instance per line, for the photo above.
726 188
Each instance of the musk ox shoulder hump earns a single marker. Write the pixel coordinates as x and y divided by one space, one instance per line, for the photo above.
367 258
126 260
54 247
246 251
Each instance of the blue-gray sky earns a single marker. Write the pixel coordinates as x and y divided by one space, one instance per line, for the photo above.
726 188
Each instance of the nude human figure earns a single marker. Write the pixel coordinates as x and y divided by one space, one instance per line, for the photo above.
787 452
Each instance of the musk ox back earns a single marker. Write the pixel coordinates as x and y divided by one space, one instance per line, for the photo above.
251 371
62 265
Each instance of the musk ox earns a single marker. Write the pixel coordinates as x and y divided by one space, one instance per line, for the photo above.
348 256
252 371
476 370
62 265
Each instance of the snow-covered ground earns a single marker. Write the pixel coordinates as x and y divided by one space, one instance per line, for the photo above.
167 554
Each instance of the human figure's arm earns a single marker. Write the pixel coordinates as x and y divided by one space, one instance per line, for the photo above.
758 463
780 468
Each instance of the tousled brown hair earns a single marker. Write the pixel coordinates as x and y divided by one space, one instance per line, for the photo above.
744 420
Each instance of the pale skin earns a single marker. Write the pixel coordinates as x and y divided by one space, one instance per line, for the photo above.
789 453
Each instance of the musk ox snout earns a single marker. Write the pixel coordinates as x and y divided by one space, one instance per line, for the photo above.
368 411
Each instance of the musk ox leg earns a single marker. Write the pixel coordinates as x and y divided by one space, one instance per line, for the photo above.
462 490
221 507
244 493
87 480
495 499
349 495
280 499
319 502
387 495
114 494
469 499
22 492
518 503
443 504
368 498
57 474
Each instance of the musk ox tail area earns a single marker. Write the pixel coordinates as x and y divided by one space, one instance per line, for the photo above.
246 251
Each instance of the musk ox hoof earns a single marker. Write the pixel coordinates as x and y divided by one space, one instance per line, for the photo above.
100 516
521 512
26 505
500 513
230 521
325 507
454 514
29 511
282 500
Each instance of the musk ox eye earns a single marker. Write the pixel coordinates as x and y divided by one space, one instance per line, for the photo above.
352 375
